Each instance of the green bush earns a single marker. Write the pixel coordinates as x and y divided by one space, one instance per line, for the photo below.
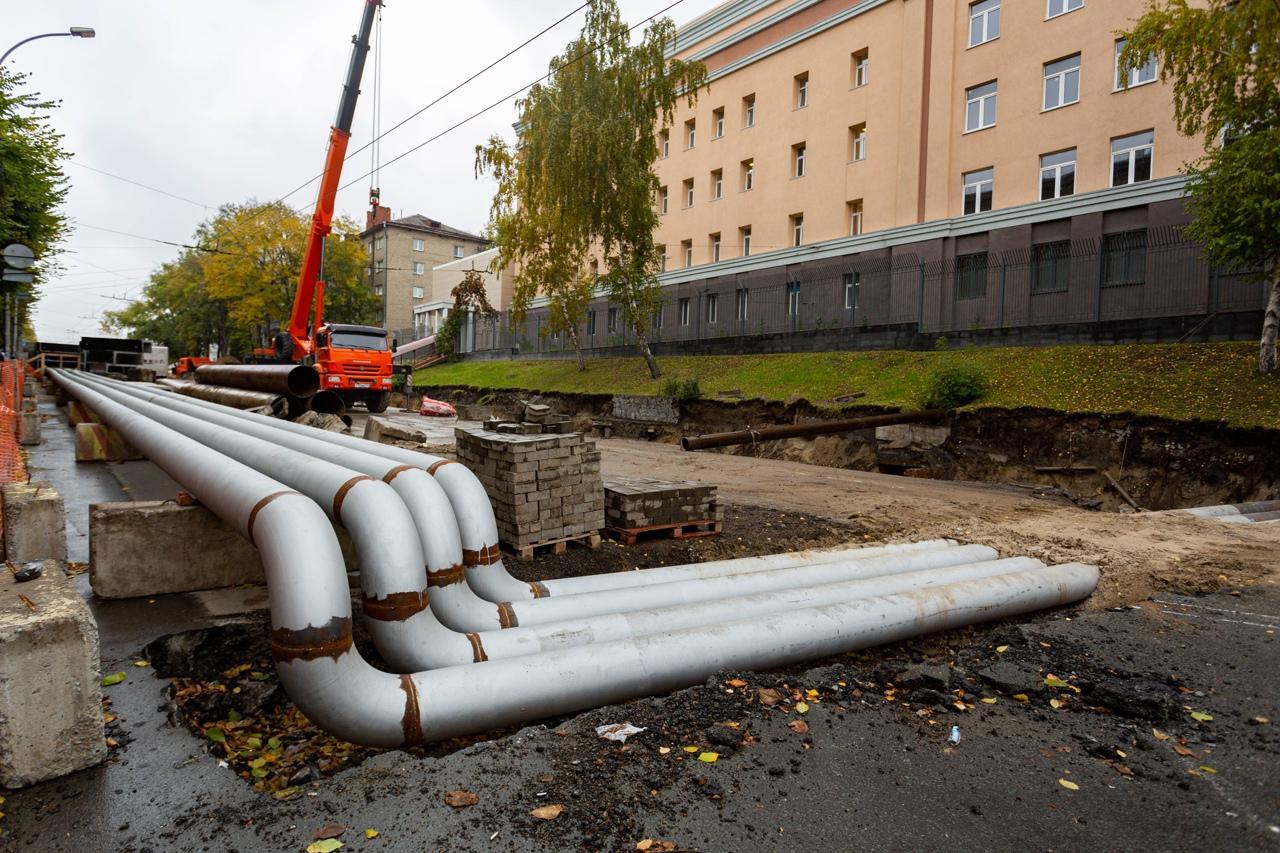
953 387
682 389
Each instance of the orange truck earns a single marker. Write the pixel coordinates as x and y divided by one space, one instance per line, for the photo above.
187 365
353 361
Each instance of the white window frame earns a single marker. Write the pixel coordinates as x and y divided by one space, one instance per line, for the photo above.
855 218
746 241
1067 6
717 185
1132 77
859 133
691 135
798 156
459 251
664 144
861 69
688 192
749 175
713 307
740 304
1058 82
797 230
852 281
987 19
662 259
793 299
976 180
419 268
419 293
802 90
684 310
662 201
379 243
1056 169
749 111
688 253
1130 153
717 117
419 245
715 248
986 102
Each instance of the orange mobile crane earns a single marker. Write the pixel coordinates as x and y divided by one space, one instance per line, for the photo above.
353 361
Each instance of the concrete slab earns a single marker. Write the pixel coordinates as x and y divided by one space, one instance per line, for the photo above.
50 701
34 522
29 434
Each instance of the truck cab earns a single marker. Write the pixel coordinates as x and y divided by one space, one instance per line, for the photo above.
355 362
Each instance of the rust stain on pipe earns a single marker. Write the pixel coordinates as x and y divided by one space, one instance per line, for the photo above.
412 721
391 475
486 556
341 494
477 648
435 466
539 589
331 640
446 577
257 508
507 616
396 607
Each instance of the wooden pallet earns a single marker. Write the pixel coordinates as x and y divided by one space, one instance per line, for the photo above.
680 530
557 546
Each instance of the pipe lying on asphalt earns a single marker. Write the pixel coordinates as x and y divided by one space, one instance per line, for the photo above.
298 380
236 398
769 433
331 683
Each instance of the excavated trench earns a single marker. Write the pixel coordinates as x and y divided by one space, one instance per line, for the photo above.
1158 462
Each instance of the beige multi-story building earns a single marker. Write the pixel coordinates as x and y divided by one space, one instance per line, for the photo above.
429 313
402 255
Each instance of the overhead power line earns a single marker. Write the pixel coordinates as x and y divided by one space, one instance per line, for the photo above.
210 250
440 98
138 184
503 100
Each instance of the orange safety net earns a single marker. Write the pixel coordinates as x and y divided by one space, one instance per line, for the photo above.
12 468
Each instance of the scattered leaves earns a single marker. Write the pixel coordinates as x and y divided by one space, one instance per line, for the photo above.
550 812
327 845
768 696
1021 697
1207 769
736 682
371 833
1183 751
142 663
709 757
1069 785
988 700
802 708
215 734
460 799
1201 716
113 678
1052 680
329 830
690 749
1002 649
663 750
1159 735
800 727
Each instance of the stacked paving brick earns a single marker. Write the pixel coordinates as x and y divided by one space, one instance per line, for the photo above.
543 487
641 502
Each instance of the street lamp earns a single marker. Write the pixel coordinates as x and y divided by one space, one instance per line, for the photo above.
74 32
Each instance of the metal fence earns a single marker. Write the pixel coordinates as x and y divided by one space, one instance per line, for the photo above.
1135 275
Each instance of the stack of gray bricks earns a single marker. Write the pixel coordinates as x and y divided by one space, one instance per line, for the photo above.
635 502
543 487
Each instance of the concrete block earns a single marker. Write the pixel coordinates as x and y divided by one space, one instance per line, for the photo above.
79 413
34 522
913 435
30 433
100 443
50 701
386 431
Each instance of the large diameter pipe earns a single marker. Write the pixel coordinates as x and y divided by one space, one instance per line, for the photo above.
327 403
769 433
236 398
299 380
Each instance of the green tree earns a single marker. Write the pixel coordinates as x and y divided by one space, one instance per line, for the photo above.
32 186
580 181
469 297
1223 59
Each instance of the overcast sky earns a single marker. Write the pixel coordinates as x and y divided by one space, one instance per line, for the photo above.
231 100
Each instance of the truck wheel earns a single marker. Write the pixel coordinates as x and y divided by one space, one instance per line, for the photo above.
378 402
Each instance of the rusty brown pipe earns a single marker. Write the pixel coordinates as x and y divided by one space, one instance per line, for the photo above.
327 403
769 433
298 380
236 398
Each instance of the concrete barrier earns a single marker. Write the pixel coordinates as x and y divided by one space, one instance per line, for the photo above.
30 429
79 413
385 431
100 443
50 701
34 522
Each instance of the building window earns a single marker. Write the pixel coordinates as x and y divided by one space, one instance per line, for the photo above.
662 258
593 269
717 184
1062 82
664 144
744 237
1050 267
684 311
1057 174
417 293
984 22
797 229
1127 78
690 133
971 276
740 304
797 157
377 290
980 107
612 321
459 251
686 250
861 63
1131 158
662 200
715 247
1062 7
379 243
855 218
852 281
591 324
657 317
1124 258
793 299
978 190
419 268
713 307
858 142
688 193
379 265
749 111
748 174
419 245
717 122
802 90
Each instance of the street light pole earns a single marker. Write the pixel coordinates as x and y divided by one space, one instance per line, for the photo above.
74 32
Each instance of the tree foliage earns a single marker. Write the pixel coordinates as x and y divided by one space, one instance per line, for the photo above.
1222 58
580 181
239 285
32 186
469 297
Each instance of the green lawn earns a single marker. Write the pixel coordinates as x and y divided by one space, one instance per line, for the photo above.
1184 381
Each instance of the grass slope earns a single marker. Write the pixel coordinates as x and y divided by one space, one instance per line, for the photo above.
1217 381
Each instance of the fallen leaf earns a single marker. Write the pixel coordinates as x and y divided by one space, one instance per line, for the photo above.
709 757
1159 735
215 734
736 682
550 812
141 663
988 700
113 678
768 696
811 694
1122 753
108 718
1021 697
1201 716
1207 769
329 830
800 727
1069 785
690 749
663 750
460 799
1052 680
1183 751
371 833
1054 703
112 742
644 844
327 845
802 708
1002 649
288 793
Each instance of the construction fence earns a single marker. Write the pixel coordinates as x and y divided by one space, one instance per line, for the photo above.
1136 275
12 466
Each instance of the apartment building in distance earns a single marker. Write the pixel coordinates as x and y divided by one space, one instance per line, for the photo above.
402 256
938 165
